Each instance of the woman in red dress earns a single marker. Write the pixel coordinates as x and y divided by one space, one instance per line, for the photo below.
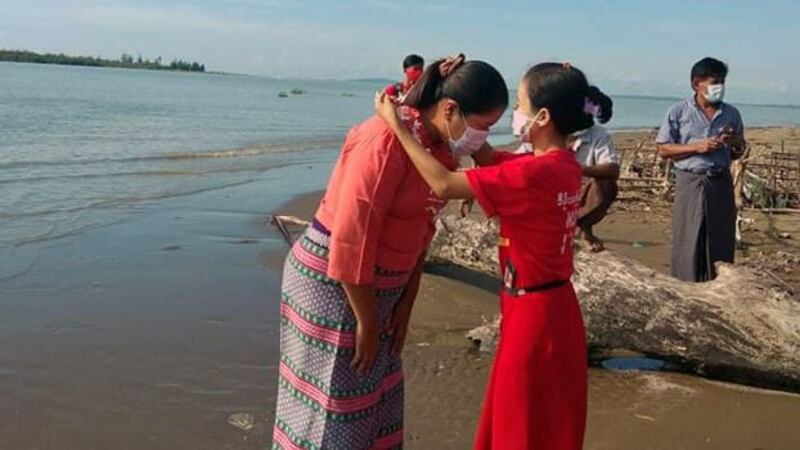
537 393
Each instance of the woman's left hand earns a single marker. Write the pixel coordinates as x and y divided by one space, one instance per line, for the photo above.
398 327
466 207
386 109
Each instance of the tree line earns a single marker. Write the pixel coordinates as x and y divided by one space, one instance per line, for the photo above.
125 61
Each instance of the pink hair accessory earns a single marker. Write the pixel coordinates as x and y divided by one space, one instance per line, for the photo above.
590 108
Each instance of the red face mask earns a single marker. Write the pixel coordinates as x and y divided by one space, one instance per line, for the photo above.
413 74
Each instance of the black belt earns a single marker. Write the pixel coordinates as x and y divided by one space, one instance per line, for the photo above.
519 292
712 172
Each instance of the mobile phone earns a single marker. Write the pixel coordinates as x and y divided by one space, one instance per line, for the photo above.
726 130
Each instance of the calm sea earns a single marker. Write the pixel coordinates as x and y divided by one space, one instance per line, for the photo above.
82 147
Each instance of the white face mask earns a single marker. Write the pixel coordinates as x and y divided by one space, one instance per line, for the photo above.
715 93
521 124
470 142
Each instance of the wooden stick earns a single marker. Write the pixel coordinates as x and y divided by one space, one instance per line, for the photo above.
293 220
783 284
280 223
775 210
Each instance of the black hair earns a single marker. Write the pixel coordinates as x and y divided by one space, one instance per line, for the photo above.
600 99
563 90
476 86
709 67
413 60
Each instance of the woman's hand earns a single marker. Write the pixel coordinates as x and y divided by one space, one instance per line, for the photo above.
364 305
466 207
386 109
398 327
367 345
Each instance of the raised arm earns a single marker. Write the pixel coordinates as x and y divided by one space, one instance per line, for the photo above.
444 183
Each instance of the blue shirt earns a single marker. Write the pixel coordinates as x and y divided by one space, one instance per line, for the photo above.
687 123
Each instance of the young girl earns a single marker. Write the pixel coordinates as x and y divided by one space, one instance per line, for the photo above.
596 153
536 397
350 282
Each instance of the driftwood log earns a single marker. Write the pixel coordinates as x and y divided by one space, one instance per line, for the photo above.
742 327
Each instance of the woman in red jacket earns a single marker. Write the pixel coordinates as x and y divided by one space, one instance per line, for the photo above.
350 282
536 396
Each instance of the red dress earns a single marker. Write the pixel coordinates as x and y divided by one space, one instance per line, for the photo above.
536 396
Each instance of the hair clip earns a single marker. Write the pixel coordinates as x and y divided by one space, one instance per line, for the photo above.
450 64
590 108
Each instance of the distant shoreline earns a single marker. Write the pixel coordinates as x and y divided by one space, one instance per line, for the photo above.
125 61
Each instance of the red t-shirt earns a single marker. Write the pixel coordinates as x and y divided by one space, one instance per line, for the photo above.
537 200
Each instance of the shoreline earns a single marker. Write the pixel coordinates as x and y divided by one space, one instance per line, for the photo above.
152 331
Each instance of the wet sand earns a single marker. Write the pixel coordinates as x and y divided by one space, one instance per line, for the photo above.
629 410
150 333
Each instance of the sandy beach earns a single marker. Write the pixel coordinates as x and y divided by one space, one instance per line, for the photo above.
628 410
150 333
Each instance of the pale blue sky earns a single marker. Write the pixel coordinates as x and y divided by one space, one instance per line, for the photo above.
624 46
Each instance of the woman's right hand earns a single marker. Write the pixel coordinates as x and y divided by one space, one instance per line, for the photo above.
367 344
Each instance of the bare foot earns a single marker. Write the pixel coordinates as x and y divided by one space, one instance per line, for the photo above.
594 243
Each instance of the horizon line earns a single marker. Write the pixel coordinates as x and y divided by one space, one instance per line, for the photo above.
382 79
